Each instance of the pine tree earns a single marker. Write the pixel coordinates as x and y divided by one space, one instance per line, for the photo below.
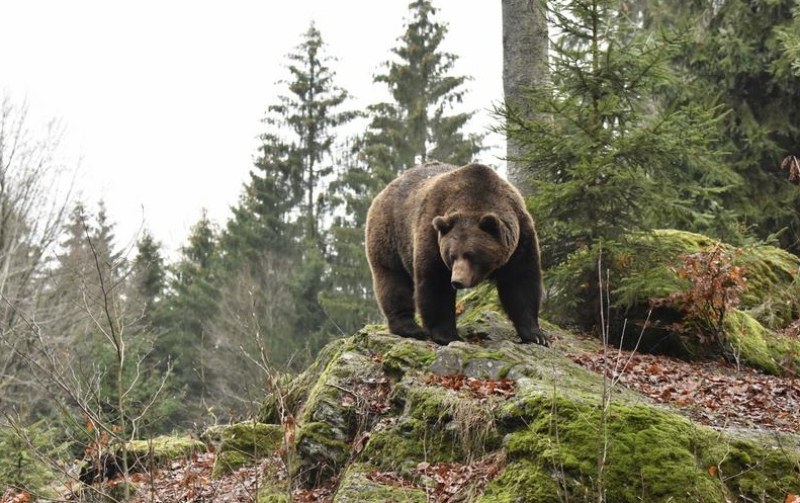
614 149
148 277
744 54
283 215
191 301
418 125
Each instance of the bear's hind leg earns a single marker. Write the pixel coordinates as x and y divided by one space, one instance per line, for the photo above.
395 293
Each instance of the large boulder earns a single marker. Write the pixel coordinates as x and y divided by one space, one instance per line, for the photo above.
622 289
488 418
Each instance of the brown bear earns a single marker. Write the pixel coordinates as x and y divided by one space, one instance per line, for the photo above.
439 228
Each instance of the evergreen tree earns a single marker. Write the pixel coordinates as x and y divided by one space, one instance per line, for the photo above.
744 54
191 301
148 276
614 150
104 346
416 126
282 216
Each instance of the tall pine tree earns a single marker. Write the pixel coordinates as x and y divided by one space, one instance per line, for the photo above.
744 54
282 216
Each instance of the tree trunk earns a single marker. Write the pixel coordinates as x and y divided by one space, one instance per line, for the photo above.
525 47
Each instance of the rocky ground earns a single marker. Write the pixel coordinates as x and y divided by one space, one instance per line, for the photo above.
379 418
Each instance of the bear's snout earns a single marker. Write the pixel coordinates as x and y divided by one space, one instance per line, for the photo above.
462 276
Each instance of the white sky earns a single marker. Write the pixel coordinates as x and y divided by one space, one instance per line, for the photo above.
162 99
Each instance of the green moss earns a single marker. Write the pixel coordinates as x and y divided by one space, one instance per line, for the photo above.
428 403
649 454
355 487
522 480
754 472
402 446
749 340
480 299
406 354
320 455
437 426
324 402
230 461
161 450
773 289
245 443
301 387
265 496
759 347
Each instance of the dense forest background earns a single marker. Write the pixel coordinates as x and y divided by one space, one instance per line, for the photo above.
652 114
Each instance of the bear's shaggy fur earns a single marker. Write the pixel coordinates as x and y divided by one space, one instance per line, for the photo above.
438 228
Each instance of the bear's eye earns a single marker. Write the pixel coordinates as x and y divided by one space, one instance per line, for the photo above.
469 256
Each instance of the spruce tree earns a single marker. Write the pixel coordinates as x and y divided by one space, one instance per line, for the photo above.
148 275
614 150
190 303
419 124
744 53
312 111
283 213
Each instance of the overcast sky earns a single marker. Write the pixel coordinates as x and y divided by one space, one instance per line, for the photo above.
162 99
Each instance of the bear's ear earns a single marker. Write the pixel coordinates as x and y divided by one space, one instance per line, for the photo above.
442 224
491 224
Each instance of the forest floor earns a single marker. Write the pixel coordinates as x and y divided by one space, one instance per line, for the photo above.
715 393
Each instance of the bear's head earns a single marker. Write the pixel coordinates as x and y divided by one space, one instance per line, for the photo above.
473 246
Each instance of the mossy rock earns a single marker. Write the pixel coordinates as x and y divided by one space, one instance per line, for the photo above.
642 266
647 454
297 390
319 454
355 487
759 347
159 451
245 443
402 446
552 431
407 354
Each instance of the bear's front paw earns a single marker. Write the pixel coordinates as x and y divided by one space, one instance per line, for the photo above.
408 329
444 338
536 336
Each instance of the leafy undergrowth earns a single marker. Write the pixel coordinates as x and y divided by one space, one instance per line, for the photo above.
190 481
715 393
